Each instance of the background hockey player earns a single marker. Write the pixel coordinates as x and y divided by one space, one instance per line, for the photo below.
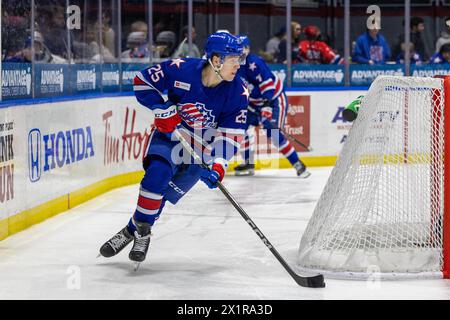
268 106
209 102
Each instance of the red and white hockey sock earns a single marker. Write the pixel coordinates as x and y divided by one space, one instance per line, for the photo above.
148 207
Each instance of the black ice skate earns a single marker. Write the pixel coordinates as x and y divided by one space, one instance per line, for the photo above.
114 245
244 169
141 243
302 172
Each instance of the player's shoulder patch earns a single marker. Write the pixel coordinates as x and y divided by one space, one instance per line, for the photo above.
180 66
238 82
240 89
252 66
181 72
177 62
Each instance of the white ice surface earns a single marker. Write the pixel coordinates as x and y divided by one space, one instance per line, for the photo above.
201 249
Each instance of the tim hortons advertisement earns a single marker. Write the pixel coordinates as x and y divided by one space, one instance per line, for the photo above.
130 141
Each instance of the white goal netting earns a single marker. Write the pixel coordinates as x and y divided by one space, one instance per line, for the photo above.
382 207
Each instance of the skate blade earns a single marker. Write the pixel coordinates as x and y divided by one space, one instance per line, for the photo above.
244 173
304 175
136 266
99 255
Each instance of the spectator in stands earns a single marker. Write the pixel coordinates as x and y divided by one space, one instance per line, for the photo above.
137 26
109 35
158 28
42 54
296 31
165 45
371 48
137 47
415 57
96 51
14 35
443 56
55 31
272 50
140 26
80 48
183 48
445 35
417 26
314 51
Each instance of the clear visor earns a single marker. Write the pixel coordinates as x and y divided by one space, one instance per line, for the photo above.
234 60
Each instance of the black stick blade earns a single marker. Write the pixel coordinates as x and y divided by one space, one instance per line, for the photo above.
310 282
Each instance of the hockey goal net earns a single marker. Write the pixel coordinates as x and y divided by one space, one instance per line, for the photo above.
383 207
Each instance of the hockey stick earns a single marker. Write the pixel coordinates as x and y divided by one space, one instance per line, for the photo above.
296 140
311 282
290 136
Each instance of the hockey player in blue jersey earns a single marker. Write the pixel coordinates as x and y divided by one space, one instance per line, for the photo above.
268 105
207 104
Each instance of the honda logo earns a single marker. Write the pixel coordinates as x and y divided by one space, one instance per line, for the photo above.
34 155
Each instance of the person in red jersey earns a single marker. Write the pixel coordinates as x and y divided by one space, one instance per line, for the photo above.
314 51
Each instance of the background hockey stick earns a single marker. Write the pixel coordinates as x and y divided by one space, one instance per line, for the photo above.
311 282
289 135
296 140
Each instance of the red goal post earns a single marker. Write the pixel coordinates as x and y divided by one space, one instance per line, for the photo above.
386 205
446 220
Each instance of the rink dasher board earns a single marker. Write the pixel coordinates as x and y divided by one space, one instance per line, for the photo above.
57 154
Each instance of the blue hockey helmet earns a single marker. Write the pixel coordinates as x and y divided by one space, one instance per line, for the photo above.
224 44
245 40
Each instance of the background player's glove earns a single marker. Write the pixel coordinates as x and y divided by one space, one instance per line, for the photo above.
166 117
351 111
211 176
266 113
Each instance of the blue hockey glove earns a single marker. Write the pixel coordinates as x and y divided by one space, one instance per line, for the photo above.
211 176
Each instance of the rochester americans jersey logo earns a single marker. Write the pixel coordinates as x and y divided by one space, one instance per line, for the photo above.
196 115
